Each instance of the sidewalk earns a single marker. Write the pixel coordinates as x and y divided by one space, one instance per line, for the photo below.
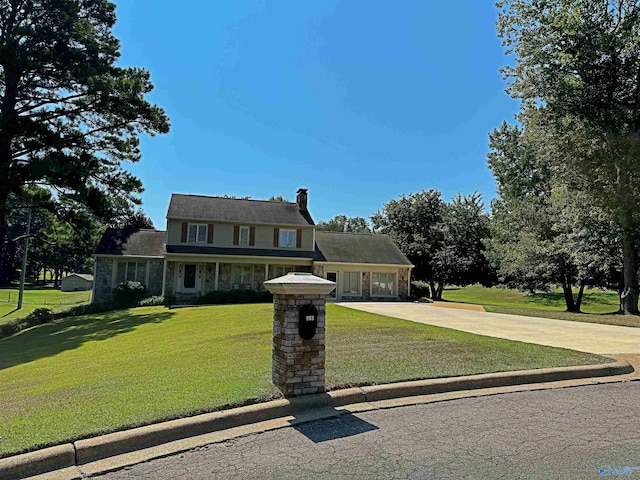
115 451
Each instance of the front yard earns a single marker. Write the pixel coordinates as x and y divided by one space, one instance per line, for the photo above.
33 298
81 376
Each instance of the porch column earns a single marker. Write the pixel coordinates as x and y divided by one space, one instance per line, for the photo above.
215 282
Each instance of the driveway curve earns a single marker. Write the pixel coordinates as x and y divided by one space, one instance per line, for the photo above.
585 337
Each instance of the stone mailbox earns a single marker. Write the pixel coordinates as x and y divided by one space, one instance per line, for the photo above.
299 311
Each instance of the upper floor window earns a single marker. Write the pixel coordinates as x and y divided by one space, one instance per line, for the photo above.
244 236
287 238
197 233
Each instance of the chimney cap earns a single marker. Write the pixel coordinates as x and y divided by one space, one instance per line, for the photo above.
302 190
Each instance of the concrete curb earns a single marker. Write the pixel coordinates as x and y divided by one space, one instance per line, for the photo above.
91 450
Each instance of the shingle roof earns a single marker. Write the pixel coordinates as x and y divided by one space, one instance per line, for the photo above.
86 276
358 248
252 252
132 242
198 207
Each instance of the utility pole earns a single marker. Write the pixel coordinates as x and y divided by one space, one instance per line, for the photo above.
24 259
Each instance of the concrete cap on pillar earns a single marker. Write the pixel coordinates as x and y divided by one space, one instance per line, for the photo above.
296 283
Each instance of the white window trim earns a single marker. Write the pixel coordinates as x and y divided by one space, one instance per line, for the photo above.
288 231
251 275
350 294
390 295
246 229
114 279
198 226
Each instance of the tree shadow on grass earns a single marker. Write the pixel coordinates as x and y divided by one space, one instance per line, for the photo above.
69 333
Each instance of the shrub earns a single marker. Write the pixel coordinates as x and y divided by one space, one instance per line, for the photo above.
419 289
128 294
425 300
236 296
39 315
152 301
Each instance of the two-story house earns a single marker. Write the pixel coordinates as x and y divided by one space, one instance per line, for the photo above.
219 243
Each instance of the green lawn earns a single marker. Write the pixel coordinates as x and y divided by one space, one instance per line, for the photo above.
84 375
45 297
598 305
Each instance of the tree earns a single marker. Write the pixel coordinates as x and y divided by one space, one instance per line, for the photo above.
544 233
69 117
278 198
577 63
443 241
342 223
136 220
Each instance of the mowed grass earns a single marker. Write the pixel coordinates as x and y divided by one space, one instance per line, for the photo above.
86 375
598 306
37 298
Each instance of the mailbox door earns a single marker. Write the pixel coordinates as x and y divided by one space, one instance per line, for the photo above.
308 321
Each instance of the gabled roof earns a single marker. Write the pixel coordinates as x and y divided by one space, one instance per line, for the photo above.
358 248
220 209
132 242
84 276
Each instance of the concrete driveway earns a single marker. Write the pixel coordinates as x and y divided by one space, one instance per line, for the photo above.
585 337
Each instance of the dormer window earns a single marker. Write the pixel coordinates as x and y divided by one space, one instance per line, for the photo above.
197 233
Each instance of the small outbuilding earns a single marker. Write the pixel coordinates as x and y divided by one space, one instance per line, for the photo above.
76 282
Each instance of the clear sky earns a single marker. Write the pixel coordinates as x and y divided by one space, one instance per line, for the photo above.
359 101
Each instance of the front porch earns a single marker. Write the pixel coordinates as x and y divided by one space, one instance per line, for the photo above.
187 279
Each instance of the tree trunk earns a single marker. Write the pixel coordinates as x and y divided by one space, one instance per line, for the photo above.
439 289
567 290
629 296
434 293
579 300
5 265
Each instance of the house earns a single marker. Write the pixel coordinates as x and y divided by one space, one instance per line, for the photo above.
219 243
76 281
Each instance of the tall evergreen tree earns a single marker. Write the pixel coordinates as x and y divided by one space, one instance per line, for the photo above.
69 117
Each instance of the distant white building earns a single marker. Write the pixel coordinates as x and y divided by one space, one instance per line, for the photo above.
76 281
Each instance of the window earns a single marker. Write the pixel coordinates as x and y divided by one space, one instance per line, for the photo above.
242 276
383 283
197 233
351 283
280 271
287 238
190 276
131 271
244 236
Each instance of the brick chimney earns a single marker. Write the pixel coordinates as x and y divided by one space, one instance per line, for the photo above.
301 199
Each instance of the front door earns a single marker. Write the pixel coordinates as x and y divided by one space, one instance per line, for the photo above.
333 277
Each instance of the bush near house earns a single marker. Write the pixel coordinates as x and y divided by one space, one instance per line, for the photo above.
129 294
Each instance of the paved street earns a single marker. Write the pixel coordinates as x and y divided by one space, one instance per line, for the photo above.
569 433
586 337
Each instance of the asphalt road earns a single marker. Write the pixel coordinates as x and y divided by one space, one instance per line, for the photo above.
571 433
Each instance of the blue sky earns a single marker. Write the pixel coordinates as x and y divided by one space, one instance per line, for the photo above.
358 101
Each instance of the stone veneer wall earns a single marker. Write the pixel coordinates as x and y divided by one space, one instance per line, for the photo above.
102 281
298 365
403 278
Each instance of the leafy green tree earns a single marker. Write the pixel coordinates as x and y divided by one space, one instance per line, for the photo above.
576 65
443 241
342 223
69 117
278 198
544 233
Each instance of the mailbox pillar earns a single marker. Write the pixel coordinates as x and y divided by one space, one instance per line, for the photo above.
298 364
